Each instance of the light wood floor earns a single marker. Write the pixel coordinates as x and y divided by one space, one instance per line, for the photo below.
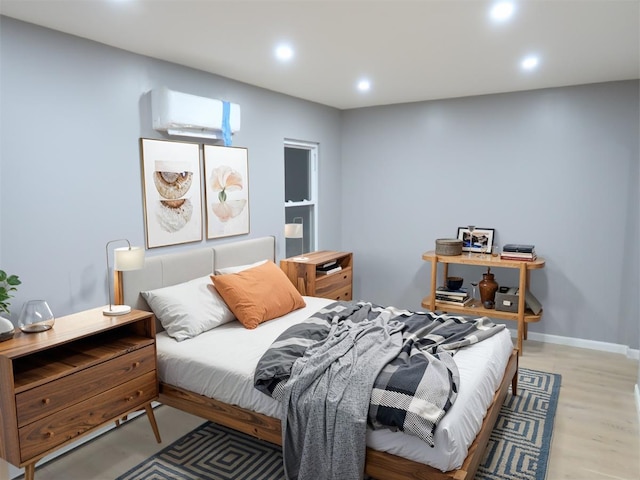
596 433
595 437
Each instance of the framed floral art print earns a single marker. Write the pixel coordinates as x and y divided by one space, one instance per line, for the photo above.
226 172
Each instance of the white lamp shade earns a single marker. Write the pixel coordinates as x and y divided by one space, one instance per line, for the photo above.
128 258
293 230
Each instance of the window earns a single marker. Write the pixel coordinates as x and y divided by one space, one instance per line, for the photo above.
301 194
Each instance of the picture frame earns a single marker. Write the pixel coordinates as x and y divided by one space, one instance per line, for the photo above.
482 241
171 181
226 171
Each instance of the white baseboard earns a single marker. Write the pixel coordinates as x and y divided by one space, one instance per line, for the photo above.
633 354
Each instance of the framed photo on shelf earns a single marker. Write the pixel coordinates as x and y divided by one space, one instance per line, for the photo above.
226 172
480 240
172 196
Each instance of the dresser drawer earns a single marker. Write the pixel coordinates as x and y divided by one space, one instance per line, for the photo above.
46 399
333 282
40 436
343 294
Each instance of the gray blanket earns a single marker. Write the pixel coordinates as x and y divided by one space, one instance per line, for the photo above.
327 399
344 360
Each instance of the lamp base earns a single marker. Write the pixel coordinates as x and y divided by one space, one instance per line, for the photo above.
114 310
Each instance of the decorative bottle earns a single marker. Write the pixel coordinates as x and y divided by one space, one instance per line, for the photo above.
488 287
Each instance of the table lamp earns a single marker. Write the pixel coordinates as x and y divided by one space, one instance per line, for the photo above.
124 259
296 230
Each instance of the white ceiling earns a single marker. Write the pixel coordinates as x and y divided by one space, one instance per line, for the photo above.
410 50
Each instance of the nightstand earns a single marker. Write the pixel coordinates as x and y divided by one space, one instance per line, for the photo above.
308 278
88 370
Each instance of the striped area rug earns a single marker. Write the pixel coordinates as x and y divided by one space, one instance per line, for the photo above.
518 448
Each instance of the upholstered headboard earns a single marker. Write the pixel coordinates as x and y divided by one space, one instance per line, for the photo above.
173 268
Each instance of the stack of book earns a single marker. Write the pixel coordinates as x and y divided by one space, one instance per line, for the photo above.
327 268
517 251
453 297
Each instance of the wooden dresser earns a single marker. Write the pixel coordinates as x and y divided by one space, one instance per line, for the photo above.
304 273
88 370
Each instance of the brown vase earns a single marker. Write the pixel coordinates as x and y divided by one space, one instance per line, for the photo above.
488 287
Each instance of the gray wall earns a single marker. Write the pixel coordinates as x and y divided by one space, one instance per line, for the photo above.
557 168
72 115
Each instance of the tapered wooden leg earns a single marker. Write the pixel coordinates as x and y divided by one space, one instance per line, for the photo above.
124 419
30 471
152 421
514 380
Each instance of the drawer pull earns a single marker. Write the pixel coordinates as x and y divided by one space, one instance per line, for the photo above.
136 364
46 401
49 434
138 393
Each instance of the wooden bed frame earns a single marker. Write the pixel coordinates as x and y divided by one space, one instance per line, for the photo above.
170 269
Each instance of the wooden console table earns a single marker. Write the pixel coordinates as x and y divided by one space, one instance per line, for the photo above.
523 316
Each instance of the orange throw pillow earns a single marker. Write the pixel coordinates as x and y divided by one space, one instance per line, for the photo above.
258 294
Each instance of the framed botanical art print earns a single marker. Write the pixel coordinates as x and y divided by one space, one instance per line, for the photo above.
476 239
172 195
226 172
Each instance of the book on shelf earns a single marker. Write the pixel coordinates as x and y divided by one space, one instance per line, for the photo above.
461 292
508 256
336 268
328 265
518 248
454 298
519 254
463 303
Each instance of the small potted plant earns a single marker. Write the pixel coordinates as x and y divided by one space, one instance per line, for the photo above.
8 285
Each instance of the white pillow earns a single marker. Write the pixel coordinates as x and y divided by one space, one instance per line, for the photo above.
238 268
188 309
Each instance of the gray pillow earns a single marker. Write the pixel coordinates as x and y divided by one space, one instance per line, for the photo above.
188 309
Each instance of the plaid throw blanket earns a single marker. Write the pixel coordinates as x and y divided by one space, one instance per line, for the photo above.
414 390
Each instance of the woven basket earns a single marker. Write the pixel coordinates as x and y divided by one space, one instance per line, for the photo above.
448 246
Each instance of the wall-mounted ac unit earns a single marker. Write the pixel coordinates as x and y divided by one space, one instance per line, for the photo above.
178 113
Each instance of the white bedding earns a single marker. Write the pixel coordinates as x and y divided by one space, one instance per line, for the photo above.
220 363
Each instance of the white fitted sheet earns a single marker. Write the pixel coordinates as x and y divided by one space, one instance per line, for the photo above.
220 364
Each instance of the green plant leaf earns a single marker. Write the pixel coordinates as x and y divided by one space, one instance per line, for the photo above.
8 284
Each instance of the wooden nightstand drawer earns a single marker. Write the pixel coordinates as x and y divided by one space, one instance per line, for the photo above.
44 434
46 399
343 294
326 285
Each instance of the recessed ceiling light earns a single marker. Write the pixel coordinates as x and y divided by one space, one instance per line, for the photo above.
530 63
284 52
364 85
502 11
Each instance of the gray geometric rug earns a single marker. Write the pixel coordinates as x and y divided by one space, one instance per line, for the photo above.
518 448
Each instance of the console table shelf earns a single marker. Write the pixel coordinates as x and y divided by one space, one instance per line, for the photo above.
523 316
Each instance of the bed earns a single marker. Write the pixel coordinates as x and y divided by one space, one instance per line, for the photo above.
228 397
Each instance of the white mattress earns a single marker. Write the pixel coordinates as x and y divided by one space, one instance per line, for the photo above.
220 364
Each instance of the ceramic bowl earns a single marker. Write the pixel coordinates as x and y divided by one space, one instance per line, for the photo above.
454 283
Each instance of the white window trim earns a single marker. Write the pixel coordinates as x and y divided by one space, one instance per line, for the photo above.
313 149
